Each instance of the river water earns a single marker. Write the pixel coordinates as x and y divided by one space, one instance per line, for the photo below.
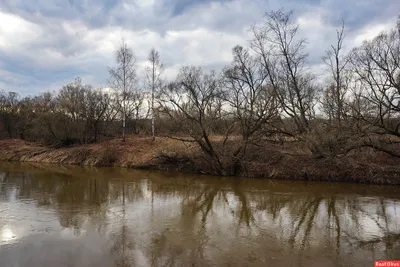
72 216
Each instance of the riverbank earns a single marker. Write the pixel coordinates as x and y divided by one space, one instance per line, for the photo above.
273 162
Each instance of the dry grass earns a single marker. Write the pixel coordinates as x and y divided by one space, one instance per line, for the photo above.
290 161
134 152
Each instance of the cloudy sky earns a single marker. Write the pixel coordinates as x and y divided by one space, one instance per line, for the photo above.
47 43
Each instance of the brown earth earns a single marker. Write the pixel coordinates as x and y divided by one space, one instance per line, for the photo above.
274 162
135 152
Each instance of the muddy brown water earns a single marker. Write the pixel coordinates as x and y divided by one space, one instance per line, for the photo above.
73 216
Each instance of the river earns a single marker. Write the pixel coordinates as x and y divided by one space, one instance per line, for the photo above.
54 216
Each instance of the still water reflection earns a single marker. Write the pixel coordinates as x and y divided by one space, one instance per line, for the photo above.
72 216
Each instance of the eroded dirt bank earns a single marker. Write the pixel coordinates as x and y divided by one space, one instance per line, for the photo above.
274 162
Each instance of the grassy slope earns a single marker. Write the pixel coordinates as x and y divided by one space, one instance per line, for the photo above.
135 152
273 162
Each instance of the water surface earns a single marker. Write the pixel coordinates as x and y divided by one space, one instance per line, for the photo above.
71 216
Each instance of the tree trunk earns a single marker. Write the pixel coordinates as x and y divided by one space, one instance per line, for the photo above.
123 129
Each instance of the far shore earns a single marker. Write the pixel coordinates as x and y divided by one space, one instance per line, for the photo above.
166 154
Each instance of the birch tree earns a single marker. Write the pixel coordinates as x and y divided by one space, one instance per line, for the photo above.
123 82
153 80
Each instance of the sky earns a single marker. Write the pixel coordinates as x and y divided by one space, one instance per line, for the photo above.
45 44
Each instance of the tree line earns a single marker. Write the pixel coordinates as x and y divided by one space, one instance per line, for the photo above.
267 94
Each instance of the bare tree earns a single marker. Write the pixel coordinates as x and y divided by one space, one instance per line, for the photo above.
377 66
97 104
334 95
251 99
191 102
86 108
123 81
9 103
153 80
283 57
71 98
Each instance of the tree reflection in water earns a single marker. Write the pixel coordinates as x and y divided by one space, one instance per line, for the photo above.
163 219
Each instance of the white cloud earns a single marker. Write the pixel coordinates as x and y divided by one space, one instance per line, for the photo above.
16 33
370 31
203 34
